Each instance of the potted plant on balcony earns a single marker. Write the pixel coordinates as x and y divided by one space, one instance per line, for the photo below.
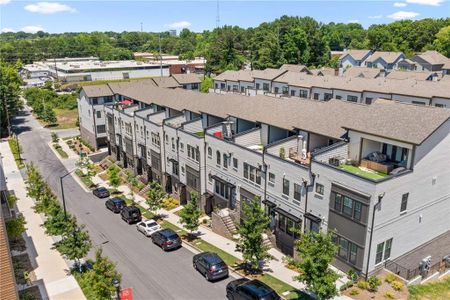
282 152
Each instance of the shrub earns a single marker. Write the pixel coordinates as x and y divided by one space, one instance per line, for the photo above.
397 285
55 138
354 292
282 153
346 285
352 275
390 277
374 283
389 295
362 284
170 203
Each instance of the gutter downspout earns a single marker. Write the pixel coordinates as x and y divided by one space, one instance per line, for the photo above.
307 186
380 197
265 171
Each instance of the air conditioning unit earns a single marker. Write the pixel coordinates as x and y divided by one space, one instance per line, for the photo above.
425 266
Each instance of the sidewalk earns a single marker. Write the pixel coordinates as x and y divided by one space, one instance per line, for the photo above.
51 267
275 267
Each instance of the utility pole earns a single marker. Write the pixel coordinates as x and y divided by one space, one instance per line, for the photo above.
160 55
218 15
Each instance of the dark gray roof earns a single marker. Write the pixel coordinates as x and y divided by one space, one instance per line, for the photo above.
166 82
390 119
187 78
97 90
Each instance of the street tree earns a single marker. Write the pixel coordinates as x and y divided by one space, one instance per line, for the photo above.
56 223
75 244
190 214
10 102
100 277
316 251
35 183
113 176
251 241
155 196
48 115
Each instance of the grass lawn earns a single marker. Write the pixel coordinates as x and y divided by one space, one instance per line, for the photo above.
67 118
439 290
355 170
281 287
86 180
97 82
60 151
175 228
15 149
207 247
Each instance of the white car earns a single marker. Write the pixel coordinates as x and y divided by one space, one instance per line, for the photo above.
148 227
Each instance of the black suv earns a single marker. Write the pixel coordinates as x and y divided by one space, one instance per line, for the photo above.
101 192
131 214
167 239
210 265
115 204
250 289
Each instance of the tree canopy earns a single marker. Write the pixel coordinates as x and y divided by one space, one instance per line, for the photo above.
288 39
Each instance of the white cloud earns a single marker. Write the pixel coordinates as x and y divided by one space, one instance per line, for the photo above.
400 4
375 17
32 28
48 8
353 21
4 30
426 2
2 2
402 15
179 25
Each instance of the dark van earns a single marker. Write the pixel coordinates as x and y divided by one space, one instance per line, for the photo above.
131 214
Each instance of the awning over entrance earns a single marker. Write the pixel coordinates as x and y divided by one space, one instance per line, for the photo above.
313 218
289 215
215 177
269 203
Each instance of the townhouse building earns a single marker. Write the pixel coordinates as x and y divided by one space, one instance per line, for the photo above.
357 89
373 174
385 60
354 58
430 61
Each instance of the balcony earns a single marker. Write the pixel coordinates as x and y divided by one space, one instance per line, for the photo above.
296 150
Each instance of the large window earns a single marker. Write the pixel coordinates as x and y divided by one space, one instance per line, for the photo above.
387 249
193 153
222 189
225 161
218 158
286 186
352 98
347 206
192 178
379 254
252 173
101 128
266 87
304 94
395 154
235 163
271 177
319 188
348 250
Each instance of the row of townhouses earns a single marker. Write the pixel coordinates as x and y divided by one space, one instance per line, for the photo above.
360 86
386 60
377 175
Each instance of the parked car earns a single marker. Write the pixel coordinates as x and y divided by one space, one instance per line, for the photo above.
210 265
167 239
148 227
101 192
131 214
115 205
247 289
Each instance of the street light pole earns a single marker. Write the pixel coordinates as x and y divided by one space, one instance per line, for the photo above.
62 192
116 284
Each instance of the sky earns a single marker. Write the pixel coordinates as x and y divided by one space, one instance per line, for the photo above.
156 16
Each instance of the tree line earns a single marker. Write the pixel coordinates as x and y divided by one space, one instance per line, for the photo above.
284 40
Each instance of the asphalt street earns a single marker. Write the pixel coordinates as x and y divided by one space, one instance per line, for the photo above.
150 272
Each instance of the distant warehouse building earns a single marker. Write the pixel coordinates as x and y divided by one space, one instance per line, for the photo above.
91 70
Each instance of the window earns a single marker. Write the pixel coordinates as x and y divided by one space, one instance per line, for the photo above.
343 248
235 163
339 97
418 103
175 168
99 114
352 98
222 189
368 100
348 206
282 222
289 227
225 161
285 90
242 89
297 191
292 93
252 173
107 99
357 212
353 253
379 254
194 86
286 186
319 188
222 86
155 139
271 177
218 157
304 94
173 143
181 146
338 202
209 151
387 249
257 86
95 101
404 204
327 96
316 96
276 90
193 153
101 129
266 87
217 86
439 105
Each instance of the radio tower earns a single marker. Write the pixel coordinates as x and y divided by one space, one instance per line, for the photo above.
218 15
